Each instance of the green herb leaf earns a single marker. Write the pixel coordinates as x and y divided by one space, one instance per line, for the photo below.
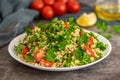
67 64
102 26
71 20
78 54
92 34
50 56
60 38
28 30
108 36
68 60
32 48
52 48
29 58
86 58
33 38
83 38
116 29
101 46
104 29
62 45
100 55
19 48
42 44
42 26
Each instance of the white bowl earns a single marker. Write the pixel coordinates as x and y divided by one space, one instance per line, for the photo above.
16 40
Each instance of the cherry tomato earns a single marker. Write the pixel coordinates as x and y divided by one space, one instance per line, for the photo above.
72 0
59 8
24 51
47 12
73 6
39 55
65 1
49 2
46 63
89 51
37 5
90 42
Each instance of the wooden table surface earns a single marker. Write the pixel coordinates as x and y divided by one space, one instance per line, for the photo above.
108 69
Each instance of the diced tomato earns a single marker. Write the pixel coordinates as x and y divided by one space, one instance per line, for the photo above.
24 51
89 51
39 55
46 63
90 42
33 27
81 33
67 25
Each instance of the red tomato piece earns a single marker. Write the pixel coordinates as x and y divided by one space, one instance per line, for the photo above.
81 32
59 8
73 6
39 55
49 2
46 63
90 42
24 51
47 12
37 5
89 51
67 25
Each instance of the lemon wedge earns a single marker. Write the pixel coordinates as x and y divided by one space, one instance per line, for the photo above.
87 20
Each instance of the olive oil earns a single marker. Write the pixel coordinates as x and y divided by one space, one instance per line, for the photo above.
108 12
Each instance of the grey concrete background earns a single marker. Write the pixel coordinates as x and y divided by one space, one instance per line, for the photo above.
108 69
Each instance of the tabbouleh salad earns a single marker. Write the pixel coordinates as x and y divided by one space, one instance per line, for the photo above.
59 44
